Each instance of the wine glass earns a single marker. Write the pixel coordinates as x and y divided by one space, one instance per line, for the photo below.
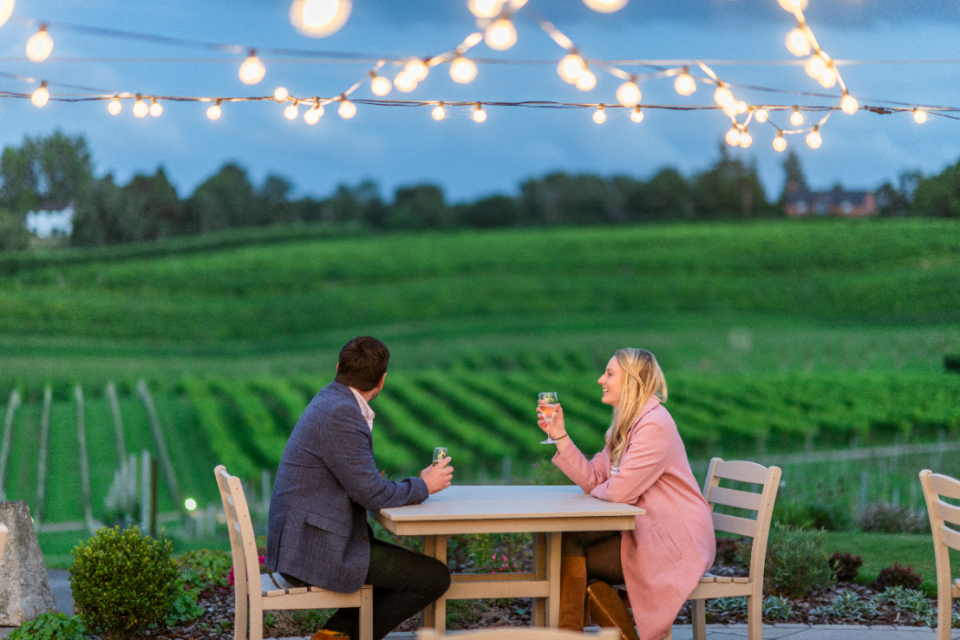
547 405
439 453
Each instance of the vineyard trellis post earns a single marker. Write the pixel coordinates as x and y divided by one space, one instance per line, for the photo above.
145 491
84 461
111 394
168 471
42 463
7 433
266 488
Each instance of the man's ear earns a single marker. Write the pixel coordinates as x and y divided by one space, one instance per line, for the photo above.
382 380
338 366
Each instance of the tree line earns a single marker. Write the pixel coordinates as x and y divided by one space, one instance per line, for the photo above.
57 170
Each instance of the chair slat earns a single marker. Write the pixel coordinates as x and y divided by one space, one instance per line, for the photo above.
741 580
948 512
950 538
733 524
735 498
723 579
945 485
741 471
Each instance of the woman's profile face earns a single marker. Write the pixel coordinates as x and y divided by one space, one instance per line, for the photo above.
611 381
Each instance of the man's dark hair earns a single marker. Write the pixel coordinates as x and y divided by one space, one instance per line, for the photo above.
363 361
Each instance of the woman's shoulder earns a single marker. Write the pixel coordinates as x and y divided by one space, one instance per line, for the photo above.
655 417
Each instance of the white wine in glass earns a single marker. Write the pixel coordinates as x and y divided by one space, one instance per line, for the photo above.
439 453
547 405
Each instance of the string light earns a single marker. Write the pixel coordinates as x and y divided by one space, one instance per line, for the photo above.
500 35
919 116
479 115
849 104
796 118
606 6
40 45
761 115
417 70
463 70
797 43
779 143
813 138
114 107
793 5
599 116
636 115
252 69
140 108
319 18
586 80
685 84
214 112
155 108
815 66
281 94
438 112
746 139
6 8
485 8
291 112
40 96
404 82
312 116
570 67
723 96
347 109
828 78
628 94
380 86
733 136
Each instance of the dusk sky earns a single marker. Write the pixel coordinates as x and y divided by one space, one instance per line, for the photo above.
400 146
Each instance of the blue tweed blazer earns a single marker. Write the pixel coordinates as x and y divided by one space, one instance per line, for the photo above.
327 480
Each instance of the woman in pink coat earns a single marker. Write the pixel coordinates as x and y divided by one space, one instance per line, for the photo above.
644 463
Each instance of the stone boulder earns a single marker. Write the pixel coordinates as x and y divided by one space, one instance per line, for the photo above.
24 587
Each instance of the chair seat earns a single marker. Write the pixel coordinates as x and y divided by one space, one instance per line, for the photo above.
709 578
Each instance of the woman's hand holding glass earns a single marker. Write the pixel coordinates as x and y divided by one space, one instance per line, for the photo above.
556 429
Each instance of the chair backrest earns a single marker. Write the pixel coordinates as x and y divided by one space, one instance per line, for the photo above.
522 633
243 543
941 514
757 528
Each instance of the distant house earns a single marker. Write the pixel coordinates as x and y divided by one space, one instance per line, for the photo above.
51 220
799 203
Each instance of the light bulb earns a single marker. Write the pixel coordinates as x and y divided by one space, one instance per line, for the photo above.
796 118
740 106
404 83
380 86
761 115
849 104
570 67
347 109
312 116
722 95
500 35
779 143
815 66
40 96
485 8
291 112
920 116
733 136
628 94
6 8
214 111
813 138
463 70
252 69
438 112
745 139
140 108
729 109
319 18
155 108
793 5
797 43
114 107
637 115
479 115
599 116
39 45
828 78
606 6
685 84
586 80
417 70
281 94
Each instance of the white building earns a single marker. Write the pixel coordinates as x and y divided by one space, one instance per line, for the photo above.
50 222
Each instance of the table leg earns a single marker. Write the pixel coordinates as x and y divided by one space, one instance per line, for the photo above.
435 615
540 567
553 575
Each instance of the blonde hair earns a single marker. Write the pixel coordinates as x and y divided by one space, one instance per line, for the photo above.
642 379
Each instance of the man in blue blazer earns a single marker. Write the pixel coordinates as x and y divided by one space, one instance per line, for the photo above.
327 480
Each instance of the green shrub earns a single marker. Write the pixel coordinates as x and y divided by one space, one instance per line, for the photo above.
797 563
777 608
888 518
51 626
832 515
123 581
897 575
185 607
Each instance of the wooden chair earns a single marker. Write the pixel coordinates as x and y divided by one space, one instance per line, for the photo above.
944 539
521 633
264 594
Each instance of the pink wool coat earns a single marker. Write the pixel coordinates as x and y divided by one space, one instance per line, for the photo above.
674 543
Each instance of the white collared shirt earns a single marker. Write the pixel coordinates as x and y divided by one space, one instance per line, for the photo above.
365 409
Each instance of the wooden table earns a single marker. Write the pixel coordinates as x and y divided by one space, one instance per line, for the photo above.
544 511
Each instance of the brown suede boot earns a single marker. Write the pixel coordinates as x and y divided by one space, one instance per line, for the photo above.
608 610
573 591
